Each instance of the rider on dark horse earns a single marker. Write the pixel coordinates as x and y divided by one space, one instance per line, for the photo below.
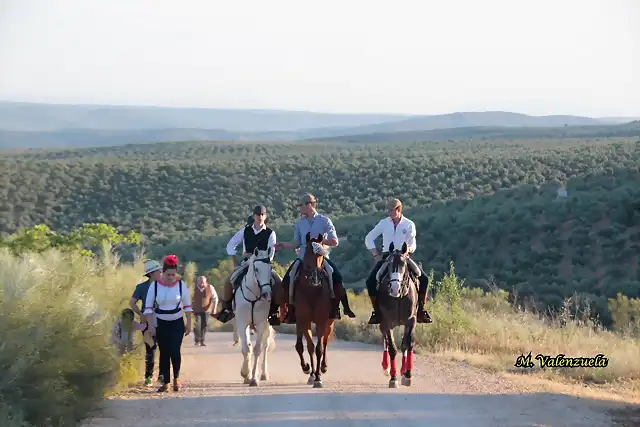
396 229
254 235
314 223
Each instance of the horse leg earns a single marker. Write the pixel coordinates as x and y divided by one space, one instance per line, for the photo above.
300 349
393 350
329 330
385 353
269 338
407 350
261 339
310 349
320 332
245 345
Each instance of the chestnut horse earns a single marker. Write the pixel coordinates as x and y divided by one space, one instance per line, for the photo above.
313 303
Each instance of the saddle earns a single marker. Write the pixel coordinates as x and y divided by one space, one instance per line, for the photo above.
295 269
238 273
411 264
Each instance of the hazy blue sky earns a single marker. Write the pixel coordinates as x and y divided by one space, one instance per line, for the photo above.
421 57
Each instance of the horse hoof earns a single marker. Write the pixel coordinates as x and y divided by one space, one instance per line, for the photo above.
247 381
385 372
310 380
405 381
253 383
306 369
324 369
264 377
317 384
393 383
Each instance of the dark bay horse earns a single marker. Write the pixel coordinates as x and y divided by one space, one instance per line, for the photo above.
313 304
398 305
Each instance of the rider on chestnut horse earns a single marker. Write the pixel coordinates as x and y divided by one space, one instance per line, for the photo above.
314 223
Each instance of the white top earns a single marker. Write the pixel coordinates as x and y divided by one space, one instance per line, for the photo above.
404 232
168 298
239 238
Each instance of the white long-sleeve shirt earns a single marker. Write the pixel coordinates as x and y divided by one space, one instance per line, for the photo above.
404 232
239 238
168 298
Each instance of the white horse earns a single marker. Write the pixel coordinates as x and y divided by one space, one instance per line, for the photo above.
252 301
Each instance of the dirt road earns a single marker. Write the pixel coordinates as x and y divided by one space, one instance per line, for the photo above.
355 394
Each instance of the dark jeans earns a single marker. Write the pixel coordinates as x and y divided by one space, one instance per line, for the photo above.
169 334
372 284
150 354
200 329
336 277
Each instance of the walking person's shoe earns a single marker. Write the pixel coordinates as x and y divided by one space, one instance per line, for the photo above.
148 382
176 385
164 388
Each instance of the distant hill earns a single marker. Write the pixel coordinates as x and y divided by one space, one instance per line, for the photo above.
488 133
22 116
76 138
53 126
466 120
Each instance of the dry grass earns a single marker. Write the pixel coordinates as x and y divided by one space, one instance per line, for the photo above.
484 329
56 316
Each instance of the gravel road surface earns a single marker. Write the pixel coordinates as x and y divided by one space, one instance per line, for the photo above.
355 393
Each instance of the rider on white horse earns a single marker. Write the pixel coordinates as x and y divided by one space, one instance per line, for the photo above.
396 229
314 223
253 235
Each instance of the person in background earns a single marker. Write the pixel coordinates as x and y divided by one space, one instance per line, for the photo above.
153 271
123 330
170 300
204 301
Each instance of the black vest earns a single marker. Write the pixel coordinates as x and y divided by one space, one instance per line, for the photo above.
253 240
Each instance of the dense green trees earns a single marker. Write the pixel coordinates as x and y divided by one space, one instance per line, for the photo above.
490 206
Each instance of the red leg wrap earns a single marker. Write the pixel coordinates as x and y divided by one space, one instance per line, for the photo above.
404 363
410 360
393 371
385 360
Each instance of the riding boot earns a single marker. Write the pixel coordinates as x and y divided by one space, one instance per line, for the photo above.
375 318
345 305
227 312
334 314
422 315
273 313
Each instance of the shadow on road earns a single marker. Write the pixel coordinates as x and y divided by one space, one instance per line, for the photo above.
384 408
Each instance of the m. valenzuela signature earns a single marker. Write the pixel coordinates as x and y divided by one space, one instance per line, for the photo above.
561 361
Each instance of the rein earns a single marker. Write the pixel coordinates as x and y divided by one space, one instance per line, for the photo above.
255 277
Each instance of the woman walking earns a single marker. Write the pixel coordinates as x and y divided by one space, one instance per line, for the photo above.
169 299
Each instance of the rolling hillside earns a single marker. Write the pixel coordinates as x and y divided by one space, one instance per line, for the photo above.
24 116
54 126
489 206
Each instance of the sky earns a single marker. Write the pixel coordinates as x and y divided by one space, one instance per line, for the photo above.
351 56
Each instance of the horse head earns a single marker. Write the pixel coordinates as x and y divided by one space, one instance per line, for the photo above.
259 274
398 269
312 262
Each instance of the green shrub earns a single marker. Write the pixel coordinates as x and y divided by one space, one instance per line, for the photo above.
57 311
